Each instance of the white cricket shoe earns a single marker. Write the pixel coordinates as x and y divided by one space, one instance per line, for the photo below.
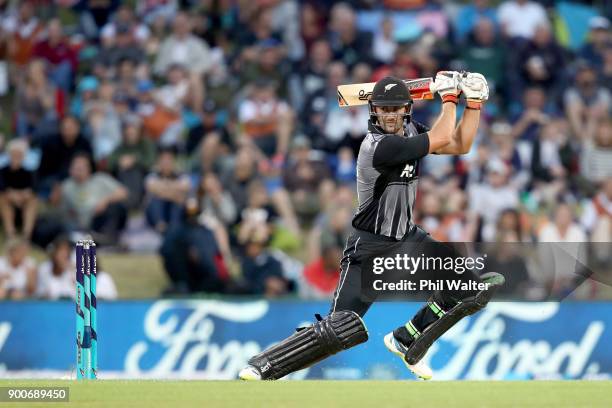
249 373
419 369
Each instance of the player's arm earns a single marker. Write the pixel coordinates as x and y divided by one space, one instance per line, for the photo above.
393 150
476 91
463 136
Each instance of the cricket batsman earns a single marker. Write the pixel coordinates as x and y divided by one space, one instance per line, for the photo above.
387 178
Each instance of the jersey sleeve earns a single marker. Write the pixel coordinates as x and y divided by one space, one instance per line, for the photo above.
397 150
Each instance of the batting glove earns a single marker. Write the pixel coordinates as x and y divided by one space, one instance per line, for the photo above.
475 88
446 85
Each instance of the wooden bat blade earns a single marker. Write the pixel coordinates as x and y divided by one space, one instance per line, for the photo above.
359 94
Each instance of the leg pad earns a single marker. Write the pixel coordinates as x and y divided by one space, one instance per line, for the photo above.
340 330
446 320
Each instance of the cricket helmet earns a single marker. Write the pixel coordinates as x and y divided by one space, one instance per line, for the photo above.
390 91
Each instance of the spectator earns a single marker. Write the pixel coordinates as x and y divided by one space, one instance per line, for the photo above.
586 101
528 124
440 215
124 18
470 16
563 228
484 53
551 161
93 202
384 44
345 166
566 234
509 227
167 190
333 127
126 82
238 178
599 39
312 23
216 202
58 151
17 195
38 103
520 18
104 122
267 120
275 209
504 147
210 132
158 121
507 257
117 48
56 51
192 258
321 275
56 277
86 91
266 66
281 12
94 14
131 160
489 199
258 211
349 44
307 179
332 224
596 155
17 271
220 83
23 30
187 50
311 76
543 61
172 98
262 273
319 104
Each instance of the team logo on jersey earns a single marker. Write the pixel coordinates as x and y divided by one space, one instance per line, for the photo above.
388 87
408 171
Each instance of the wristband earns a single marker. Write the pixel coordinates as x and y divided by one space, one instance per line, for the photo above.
473 104
450 98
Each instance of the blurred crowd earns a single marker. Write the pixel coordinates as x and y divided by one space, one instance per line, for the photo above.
216 124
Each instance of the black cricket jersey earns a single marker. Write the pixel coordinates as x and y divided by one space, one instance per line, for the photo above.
387 177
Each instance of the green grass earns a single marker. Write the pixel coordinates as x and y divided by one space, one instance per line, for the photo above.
320 394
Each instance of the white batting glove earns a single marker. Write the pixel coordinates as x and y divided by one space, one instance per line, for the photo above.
446 85
475 88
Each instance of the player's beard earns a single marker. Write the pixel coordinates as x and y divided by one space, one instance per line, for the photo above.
391 126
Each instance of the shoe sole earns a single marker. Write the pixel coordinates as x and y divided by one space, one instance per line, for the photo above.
389 345
248 377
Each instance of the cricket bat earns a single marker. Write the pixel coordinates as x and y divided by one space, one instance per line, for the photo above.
358 94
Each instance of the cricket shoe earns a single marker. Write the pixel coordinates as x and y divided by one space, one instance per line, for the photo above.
419 369
249 373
